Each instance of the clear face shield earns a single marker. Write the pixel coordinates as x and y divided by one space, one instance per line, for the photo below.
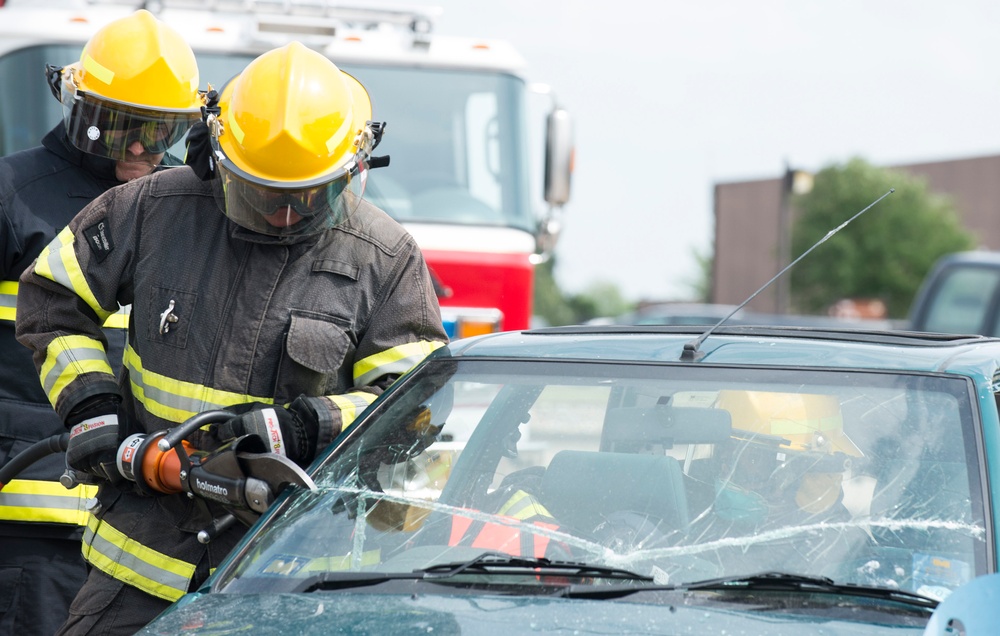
298 211
294 209
110 129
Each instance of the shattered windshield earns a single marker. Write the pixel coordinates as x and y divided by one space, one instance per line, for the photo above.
674 473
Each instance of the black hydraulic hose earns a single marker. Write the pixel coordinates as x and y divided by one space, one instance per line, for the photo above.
30 455
175 435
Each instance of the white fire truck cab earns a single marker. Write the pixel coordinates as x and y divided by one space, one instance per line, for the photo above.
481 199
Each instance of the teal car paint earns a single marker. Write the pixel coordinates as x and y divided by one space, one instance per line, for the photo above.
600 480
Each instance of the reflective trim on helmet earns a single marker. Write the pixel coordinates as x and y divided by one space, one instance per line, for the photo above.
107 128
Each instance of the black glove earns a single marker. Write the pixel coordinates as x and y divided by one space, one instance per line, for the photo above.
200 154
291 431
93 437
403 442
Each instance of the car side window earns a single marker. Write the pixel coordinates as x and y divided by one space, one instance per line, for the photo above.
963 300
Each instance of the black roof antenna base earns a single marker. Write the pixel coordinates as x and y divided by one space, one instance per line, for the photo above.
691 352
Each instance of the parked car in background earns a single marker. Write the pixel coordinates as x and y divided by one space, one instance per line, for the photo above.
961 294
679 313
688 313
623 479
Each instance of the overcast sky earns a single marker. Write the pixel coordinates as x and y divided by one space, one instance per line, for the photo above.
671 97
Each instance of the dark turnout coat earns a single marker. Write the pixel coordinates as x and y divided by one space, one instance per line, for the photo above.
220 316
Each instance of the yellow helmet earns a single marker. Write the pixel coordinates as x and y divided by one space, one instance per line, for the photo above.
137 79
295 137
790 442
805 421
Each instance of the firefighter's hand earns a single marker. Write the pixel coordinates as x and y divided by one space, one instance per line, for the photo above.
93 437
287 430
412 439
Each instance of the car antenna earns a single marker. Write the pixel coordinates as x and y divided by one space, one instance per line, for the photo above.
691 352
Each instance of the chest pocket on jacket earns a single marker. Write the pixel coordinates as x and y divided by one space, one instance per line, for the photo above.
316 350
170 313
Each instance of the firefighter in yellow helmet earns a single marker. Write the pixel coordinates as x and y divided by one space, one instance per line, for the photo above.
270 289
263 190
786 460
133 92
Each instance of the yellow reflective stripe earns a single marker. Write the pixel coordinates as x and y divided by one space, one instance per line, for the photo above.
119 319
8 307
395 360
112 552
8 300
67 358
523 506
177 400
336 563
350 405
40 501
804 427
103 74
58 263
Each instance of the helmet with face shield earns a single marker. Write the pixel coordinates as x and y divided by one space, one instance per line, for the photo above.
788 448
137 80
294 138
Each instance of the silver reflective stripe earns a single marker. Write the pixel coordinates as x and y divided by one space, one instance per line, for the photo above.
39 501
68 358
523 506
361 401
177 400
350 405
42 501
165 398
398 359
53 259
126 566
8 300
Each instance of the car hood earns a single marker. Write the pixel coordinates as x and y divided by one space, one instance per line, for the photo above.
369 613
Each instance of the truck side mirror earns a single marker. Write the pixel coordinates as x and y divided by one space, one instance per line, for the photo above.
559 156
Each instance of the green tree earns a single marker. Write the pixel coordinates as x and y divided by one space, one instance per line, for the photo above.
600 299
885 253
700 285
557 308
549 301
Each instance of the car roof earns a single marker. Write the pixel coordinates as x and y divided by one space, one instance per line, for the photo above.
746 345
975 257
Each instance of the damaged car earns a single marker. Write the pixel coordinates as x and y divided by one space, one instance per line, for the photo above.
618 479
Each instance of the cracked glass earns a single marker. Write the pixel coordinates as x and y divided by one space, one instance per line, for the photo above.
676 473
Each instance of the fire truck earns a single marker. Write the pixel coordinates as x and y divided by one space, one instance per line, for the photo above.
481 160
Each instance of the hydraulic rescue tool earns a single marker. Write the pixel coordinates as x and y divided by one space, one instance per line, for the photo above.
241 476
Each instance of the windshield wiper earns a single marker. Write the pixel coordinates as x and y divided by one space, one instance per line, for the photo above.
500 563
764 581
493 563
346 580
784 581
